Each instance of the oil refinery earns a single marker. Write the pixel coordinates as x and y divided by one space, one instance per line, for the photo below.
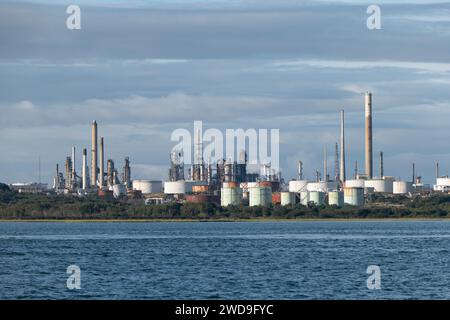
229 182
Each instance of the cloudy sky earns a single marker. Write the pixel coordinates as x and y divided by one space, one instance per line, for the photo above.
145 68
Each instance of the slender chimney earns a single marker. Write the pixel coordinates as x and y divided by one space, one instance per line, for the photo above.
300 170
94 164
102 163
342 171
381 165
73 163
368 130
437 170
413 173
325 164
83 170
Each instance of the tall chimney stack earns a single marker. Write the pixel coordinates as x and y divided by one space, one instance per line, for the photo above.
94 164
437 170
83 170
325 164
368 129
102 163
73 164
381 165
342 169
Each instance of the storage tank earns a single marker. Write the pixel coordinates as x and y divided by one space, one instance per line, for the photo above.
287 198
276 197
304 197
354 196
317 197
442 184
336 198
260 196
402 187
297 186
147 186
321 186
200 189
230 196
175 187
118 190
356 183
379 185
189 184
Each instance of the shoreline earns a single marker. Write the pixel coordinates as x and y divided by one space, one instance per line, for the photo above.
224 220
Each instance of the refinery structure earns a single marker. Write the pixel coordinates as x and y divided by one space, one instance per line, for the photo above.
229 182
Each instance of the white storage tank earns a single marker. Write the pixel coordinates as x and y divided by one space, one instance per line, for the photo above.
354 196
402 187
380 185
260 196
147 186
230 195
297 186
442 184
321 186
287 198
175 187
336 198
118 190
317 197
356 183
304 197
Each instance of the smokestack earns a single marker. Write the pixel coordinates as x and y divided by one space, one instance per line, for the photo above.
437 170
368 129
414 173
381 165
300 170
83 170
325 164
102 163
73 163
342 171
94 165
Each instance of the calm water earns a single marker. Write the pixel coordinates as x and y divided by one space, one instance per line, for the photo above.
266 260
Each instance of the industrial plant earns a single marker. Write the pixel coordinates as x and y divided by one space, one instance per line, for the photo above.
229 182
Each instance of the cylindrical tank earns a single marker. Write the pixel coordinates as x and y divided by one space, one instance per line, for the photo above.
336 198
260 196
189 184
230 196
197 198
304 197
354 196
175 187
118 190
147 186
321 186
276 197
379 185
402 187
287 198
297 186
317 197
200 189
357 183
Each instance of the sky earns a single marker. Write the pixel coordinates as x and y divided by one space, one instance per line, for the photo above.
145 68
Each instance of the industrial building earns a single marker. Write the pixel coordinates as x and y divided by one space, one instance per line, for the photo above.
229 183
